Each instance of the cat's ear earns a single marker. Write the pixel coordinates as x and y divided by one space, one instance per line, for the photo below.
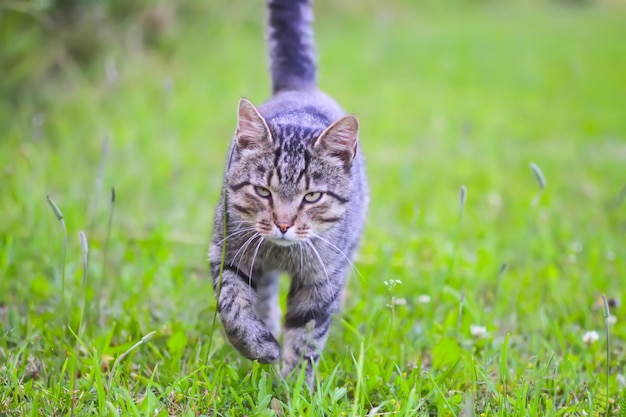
252 130
339 140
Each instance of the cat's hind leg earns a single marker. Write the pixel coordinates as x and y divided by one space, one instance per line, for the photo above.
310 308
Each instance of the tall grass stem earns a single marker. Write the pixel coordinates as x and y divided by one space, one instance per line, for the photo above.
59 216
607 314
219 284
105 255
501 272
93 207
84 247
541 182
462 202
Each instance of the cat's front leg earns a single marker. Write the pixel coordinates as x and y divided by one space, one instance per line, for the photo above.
236 308
310 308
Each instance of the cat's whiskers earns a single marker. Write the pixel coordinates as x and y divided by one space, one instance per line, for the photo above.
256 251
242 249
355 270
231 222
301 256
319 258
235 233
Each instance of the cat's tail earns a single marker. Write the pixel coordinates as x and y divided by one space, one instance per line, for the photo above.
291 45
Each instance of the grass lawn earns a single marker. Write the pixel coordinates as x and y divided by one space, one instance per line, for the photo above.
478 309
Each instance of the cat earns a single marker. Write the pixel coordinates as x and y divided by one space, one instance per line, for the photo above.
294 201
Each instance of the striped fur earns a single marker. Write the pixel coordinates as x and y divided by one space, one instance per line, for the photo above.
291 45
296 197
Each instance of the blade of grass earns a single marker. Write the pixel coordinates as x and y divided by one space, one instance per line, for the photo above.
120 358
359 373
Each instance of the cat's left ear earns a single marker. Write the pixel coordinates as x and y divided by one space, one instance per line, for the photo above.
339 140
252 130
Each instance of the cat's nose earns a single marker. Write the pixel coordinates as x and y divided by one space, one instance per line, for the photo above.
283 227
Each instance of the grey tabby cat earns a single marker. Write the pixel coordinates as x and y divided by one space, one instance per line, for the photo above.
296 201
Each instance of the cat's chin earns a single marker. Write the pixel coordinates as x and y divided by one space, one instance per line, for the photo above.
282 241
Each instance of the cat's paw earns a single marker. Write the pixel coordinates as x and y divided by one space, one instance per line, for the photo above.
265 349
260 346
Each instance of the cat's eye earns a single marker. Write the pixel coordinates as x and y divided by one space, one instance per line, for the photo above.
262 192
312 197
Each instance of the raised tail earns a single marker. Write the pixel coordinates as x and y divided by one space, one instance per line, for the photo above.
291 45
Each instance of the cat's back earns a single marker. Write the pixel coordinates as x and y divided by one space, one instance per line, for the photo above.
310 108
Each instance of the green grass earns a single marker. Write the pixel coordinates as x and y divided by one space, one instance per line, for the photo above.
468 96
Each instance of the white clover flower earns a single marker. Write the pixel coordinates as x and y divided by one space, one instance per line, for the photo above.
590 337
396 302
399 301
576 246
494 199
392 283
611 319
478 331
423 299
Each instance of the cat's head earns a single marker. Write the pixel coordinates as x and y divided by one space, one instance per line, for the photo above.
290 183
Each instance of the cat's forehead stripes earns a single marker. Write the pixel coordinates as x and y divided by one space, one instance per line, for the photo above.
302 176
291 158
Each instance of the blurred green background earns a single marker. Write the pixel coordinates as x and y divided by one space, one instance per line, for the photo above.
141 96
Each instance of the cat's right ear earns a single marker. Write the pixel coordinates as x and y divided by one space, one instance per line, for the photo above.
252 130
339 140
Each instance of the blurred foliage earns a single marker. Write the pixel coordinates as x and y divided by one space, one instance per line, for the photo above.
41 38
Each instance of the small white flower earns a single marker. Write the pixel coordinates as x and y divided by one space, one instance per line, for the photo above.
396 302
494 199
611 319
399 301
392 283
478 331
423 299
590 337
